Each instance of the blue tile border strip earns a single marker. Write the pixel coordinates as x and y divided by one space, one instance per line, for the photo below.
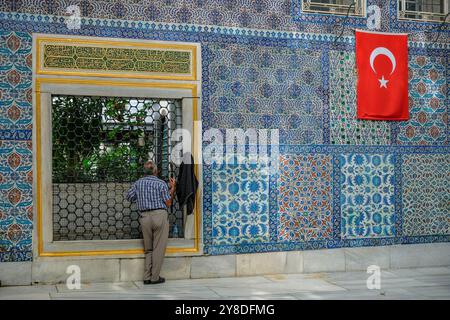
330 244
398 189
298 149
207 207
326 97
336 187
15 134
16 256
273 207
48 23
346 148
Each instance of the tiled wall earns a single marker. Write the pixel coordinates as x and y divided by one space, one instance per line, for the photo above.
16 177
271 88
341 182
280 15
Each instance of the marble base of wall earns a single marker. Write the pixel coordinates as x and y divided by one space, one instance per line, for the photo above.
15 273
53 270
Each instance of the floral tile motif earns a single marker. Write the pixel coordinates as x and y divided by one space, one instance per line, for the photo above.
304 199
344 127
16 200
265 14
240 203
283 15
15 80
426 194
428 121
367 196
267 88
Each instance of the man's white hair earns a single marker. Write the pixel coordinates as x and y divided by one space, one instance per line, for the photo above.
150 168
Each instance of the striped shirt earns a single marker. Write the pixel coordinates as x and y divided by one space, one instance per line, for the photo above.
149 193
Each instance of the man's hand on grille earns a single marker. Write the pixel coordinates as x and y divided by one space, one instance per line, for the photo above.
172 183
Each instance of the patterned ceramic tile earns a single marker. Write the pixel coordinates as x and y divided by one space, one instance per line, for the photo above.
264 87
244 69
344 127
16 211
259 14
304 198
367 196
240 203
426 194
265 14
15 80
428 122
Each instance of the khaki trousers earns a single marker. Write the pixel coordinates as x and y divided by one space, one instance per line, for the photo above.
155 229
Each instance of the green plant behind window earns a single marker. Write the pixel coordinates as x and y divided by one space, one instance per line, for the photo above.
95 139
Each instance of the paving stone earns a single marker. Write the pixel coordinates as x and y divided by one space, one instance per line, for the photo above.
422 283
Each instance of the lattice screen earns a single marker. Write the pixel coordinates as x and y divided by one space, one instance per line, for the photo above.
99 147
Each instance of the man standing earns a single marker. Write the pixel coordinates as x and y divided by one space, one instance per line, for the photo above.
153 197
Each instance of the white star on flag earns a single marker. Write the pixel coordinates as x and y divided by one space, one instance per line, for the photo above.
383 82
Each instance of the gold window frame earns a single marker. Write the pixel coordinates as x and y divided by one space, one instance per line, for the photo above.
90 80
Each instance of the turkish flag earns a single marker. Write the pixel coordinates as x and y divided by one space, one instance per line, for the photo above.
382 65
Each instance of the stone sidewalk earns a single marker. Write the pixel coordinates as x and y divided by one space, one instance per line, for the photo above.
423 283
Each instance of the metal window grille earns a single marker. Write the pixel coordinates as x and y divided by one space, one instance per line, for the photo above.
339 7
99 146
425 10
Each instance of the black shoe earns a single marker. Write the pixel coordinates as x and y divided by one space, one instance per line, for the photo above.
160 280
147 282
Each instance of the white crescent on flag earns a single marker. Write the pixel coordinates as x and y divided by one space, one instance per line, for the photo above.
386 52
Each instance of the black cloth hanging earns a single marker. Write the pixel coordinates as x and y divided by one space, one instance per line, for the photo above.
187 183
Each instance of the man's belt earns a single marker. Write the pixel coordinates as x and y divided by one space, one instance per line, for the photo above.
149 210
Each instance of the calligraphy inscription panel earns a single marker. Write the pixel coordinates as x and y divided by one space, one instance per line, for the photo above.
78 56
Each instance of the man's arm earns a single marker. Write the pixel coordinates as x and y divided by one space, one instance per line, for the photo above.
169 199
131 195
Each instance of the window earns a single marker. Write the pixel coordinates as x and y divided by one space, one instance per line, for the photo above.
423 10
95 125
99 147
340 7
